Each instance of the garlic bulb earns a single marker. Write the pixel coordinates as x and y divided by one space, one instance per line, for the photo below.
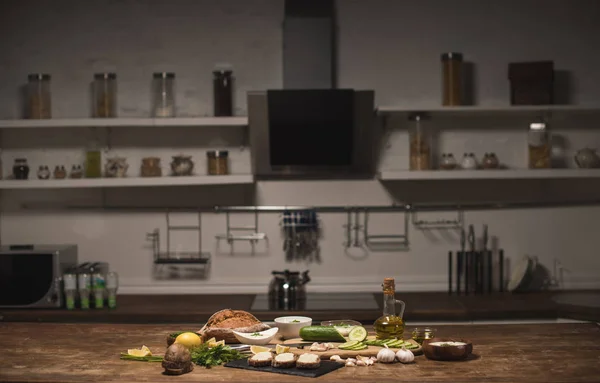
405 356
385 355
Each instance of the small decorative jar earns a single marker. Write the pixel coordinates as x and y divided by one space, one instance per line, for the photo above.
59 172
116 167
76 171
20 169
490 161
43 172
182 165
469 162
217 161
151 167
448 161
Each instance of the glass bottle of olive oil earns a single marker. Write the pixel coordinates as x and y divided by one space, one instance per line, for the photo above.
93 161
390 324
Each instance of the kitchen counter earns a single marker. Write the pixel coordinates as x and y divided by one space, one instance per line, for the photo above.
51 352
419 307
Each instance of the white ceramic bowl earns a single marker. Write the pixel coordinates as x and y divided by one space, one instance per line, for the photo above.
289 327
248 338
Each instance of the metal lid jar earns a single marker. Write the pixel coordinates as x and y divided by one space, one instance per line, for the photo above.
38 96
105 95
218 162
163 84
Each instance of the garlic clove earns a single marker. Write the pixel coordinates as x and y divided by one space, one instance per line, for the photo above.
350 364
361 363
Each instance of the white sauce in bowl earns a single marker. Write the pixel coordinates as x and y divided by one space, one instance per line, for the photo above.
447 344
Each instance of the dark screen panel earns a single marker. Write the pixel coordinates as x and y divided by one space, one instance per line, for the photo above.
24 278
311 127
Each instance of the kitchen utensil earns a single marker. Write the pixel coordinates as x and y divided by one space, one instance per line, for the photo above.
488 258
449 272
460 261
369 351
523 274
289 326
501 270
325 367
287 289
301 235
470 260
447 349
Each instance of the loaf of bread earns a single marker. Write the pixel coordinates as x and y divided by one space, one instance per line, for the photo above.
222 324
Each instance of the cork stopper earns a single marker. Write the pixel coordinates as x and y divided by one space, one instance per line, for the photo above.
388 284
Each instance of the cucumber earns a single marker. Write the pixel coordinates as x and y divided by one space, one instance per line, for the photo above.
358 347
388 341
358 333
396 344
348 345
321 334
410 346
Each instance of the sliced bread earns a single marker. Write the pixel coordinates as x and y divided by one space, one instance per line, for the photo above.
285 360
308 361
262 359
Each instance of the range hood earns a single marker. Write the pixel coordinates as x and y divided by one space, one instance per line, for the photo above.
311 129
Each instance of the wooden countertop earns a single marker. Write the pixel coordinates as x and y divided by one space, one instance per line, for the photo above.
419 307
50 352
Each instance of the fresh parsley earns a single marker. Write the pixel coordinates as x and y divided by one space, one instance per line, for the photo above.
214 356
255 334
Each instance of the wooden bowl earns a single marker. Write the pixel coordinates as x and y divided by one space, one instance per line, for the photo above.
447 349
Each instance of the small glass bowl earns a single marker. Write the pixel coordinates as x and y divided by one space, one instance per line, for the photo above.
421 334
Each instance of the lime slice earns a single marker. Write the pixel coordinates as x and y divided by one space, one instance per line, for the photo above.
358 333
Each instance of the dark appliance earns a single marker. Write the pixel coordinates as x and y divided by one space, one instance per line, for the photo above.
31 275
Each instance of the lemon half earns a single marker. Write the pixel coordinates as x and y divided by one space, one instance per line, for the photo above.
256 349
144 351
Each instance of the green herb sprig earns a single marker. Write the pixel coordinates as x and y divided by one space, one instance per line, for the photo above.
214 356
149 358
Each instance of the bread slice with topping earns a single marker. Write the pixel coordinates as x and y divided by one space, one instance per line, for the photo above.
285 360
262 359
308 361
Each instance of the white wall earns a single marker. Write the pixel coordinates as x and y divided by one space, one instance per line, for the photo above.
390 46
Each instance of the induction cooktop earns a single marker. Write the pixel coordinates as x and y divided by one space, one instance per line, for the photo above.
321 302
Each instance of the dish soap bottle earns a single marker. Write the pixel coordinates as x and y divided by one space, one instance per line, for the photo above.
391 324
93 161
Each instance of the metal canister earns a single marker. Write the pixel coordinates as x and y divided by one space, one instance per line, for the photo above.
98 287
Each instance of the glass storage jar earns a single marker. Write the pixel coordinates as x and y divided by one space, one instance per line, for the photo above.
163 84
218 162
151 167
452 79
38 96
420 142
21 169
539 147
223 92
105 95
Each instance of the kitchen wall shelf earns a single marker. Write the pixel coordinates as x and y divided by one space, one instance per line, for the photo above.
430 175
123 122
482 111
126 182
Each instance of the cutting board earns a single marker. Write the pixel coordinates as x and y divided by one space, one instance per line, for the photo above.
325 355
325 368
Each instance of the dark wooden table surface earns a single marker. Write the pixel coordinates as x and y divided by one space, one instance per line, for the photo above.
429 306
49 352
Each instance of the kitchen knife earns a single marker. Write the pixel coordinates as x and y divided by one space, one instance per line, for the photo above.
470 260
460 261
501 269
488 260
450 273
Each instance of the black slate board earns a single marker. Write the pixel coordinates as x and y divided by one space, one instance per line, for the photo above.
324 368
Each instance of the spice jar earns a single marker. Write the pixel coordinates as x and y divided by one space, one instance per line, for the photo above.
420 142
151 167
43 172
218 162
539 146
223 92
490 161
448 161
20 169
164 99
38 96
60 172
105 95
452 79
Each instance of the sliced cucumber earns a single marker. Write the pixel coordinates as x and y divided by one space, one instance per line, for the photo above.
410 346
349 344
358 333
388 341
397 344
360 346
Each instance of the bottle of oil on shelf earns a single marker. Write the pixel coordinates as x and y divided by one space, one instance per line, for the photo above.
93 161
390 324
